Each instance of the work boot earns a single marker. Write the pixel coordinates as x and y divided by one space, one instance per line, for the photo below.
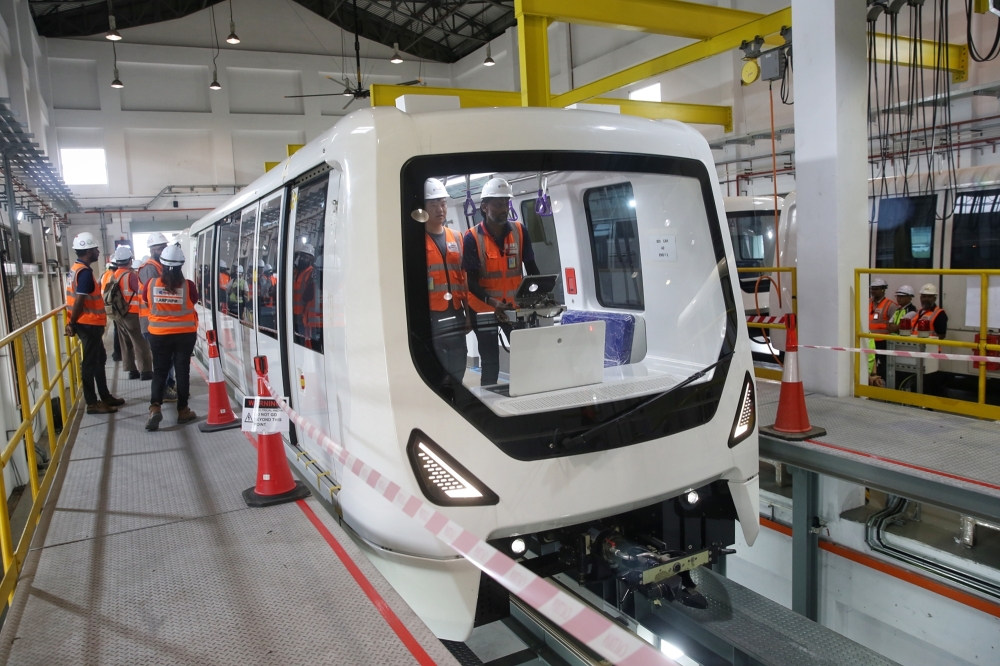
100 407
146 376
116 359
170 394
133 374
153 422
186 415
112 401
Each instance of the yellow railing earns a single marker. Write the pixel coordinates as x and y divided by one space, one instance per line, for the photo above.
768 373
67 383
979 408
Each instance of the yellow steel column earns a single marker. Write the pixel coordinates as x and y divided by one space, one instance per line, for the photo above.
533 48
858 358
984 299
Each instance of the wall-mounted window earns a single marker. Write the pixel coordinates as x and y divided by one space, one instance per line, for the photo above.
84 166
975 240
905 236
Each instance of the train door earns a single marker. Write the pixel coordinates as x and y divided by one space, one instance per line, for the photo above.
227 303
265 287
243 291
203 273
303 300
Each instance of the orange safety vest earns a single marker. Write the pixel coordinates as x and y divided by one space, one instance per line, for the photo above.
445 278
143 305
311 312
106 278
930 315
499 272
223 288
170 312
132 298
878 317
268 301
93 304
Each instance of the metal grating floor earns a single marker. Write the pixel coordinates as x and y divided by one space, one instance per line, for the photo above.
953 446
146 554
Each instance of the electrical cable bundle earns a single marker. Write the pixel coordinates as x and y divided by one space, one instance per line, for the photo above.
973 51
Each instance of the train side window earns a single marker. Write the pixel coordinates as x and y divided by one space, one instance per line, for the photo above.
905 236
204 273
266 276
229 242
241 288
307 268
544 242
614 239
975 238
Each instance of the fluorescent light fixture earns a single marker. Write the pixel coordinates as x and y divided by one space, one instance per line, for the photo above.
647 94
489 62
84 166
395 54
20 215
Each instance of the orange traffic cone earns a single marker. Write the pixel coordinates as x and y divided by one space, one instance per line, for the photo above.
220 413
792 420
275 484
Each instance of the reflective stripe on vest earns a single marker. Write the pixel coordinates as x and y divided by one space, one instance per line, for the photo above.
132 298
444 274
878 316
930 315
171 312
499 272
93 303
143 305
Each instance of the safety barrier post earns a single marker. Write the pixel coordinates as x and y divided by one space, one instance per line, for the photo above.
43 363
984 306
26 415
57 336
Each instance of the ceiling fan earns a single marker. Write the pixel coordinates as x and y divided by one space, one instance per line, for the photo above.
357 91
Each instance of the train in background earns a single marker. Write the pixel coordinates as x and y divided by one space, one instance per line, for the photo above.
321 266
949 227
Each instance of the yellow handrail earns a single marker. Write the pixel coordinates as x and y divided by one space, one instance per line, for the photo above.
67 382
978 409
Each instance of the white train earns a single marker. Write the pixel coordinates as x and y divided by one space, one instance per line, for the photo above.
323 270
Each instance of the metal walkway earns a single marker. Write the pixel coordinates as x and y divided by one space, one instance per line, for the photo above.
146 553
940 458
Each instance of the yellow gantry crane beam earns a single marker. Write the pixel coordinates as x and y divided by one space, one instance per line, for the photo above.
957 61
385 95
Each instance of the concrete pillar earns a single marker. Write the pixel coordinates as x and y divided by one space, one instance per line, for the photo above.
831 166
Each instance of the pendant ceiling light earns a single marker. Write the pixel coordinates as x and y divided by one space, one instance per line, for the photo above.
395 54
116 82
113 33
215 85
489 62
232 38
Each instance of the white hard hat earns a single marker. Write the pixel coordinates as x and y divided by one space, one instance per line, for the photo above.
929 289
137 263
306 248
497 187
878 282
223 265
906 289
434 189
84 241
123 254
239 270
156 238
173 255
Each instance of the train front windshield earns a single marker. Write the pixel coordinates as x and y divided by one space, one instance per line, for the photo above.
555 291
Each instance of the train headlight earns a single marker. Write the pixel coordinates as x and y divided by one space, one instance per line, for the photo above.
746 414
442 479
517 546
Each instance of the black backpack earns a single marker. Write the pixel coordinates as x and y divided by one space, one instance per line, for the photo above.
115 304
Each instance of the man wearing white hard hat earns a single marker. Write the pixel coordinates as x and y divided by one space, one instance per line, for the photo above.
905 310
496 253
136 356
929 311
87 319
446 288
880 313
307 297
150 270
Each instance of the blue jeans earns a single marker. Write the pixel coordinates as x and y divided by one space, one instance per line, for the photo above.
170 376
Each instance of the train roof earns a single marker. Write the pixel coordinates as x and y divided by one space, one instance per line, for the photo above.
368 133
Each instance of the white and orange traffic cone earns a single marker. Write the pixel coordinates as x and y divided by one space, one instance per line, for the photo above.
275 483
220 412
792 420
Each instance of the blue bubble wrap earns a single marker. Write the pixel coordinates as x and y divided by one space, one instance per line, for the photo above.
619 332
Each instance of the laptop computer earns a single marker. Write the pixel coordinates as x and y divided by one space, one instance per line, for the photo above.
534 289
550 358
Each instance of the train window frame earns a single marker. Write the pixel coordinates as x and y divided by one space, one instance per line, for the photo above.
293 237
901 233
228 221
963 240
531 436
278 197
608 300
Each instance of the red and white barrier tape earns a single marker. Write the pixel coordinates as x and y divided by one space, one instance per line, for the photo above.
763 319
579 620
909 354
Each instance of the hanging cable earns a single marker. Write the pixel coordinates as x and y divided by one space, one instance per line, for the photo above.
973 51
